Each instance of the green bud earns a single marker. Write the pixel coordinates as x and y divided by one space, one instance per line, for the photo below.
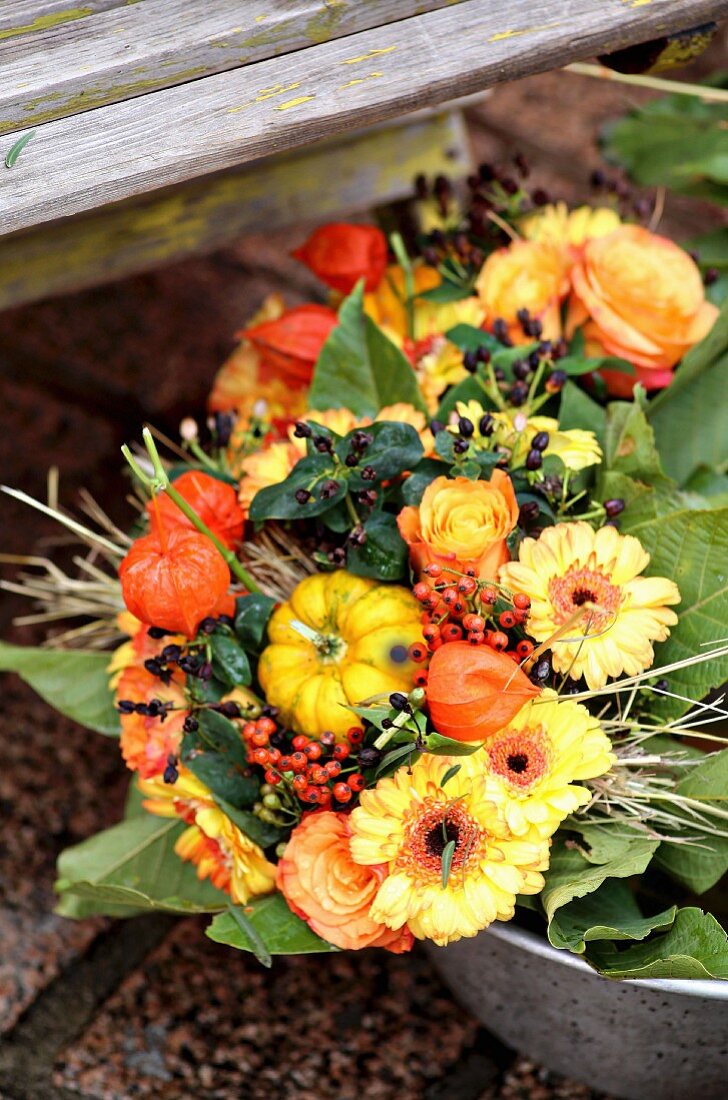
416 697
257 807
271 800
267 788
280 848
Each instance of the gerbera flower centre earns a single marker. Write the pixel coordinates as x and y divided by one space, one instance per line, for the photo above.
434 825
520 757
585 586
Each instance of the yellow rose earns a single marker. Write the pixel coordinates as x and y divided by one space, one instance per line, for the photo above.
526 275
568 230
461 523
640 298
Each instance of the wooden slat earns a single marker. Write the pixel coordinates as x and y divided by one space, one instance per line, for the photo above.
332 178
106 155
133 50
24 18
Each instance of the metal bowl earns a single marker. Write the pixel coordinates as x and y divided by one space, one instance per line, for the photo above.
655 1039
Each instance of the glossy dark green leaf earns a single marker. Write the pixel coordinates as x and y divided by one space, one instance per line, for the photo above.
260 831
384 554
252 613
310 473
470 338
229 661
395 447
423 474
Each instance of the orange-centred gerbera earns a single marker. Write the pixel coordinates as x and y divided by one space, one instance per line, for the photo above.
592 579
409 820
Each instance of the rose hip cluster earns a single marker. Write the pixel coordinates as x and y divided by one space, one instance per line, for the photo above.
459 607
320 772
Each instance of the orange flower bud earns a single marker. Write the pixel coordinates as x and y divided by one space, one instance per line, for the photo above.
341 254
291 345
173 579
214 501
473 691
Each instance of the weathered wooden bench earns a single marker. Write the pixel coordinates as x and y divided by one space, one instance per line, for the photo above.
164 127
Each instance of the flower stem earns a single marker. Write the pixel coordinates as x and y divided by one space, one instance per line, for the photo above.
409 280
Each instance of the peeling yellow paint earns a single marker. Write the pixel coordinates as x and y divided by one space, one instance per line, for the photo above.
46 22
259 18
637 3
359 80
293 102
526 30
368 56
266 93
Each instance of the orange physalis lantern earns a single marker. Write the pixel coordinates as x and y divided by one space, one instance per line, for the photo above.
214 501
291 345
474 691
340 255
173 579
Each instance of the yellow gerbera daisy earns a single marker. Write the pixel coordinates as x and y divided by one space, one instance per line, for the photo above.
438 366
573 568
515 431
531 765
556 224
217 847
409 819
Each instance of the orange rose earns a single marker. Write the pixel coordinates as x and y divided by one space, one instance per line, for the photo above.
642 299
530 275
323 886
461 523
473 691
341 254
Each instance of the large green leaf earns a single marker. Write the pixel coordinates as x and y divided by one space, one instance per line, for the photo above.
359 368
689 417
695 947
132 868
384 554
700 865
675 142
578 410
610 913
73 681
280 930
691 547
572 875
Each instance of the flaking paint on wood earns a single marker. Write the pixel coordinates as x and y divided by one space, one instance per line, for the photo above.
372 167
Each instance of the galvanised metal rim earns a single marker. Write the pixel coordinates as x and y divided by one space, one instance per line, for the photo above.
714 988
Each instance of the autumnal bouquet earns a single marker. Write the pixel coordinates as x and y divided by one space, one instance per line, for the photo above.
419 624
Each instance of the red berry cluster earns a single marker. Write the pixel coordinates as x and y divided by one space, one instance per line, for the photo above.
459 607
321 772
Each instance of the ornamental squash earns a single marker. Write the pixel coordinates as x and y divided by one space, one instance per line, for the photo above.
340 639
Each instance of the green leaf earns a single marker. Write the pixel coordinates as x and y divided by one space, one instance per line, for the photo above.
578 410
571 875
216 755
711 248
688 417
451 772
695 947
359 368
691 547
229 662
447 853
281 932
439 745
471 338
384 554
445 293
674 142
711 485
260 831
132 868
629 441
700 865
279 501
252 613
470 389
395 447
609 913
250 933
73 681
404 754
423 474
